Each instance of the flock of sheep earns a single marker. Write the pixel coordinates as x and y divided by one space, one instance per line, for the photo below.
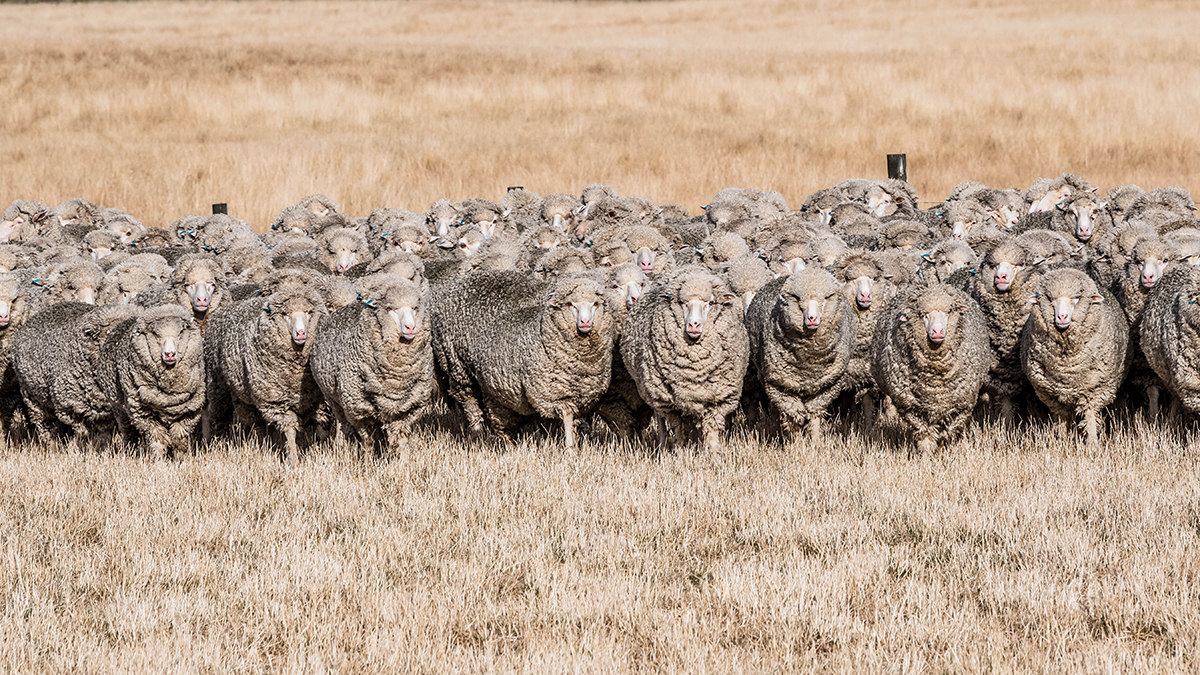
859 306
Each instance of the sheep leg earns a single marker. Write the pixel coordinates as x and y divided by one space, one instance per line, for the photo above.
397 436
1152 392
1091 428
868 413
1005 404
712 426
814 429
664 440
926 446
568 420
157 440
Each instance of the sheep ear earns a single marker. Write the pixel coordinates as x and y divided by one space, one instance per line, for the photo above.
903 318
1033 299
728 298
1097 299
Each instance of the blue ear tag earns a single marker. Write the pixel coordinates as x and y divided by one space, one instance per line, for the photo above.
370 302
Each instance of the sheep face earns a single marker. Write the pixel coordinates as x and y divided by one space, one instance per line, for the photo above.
169 337
1051 199
1151 259
628 281
10 225
694 302
469 243
808 298
342 249
401 301
937 317
1083 212
13 305
296 314
578 306
1064 298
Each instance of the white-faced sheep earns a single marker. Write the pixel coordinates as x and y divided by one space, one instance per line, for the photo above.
1170 334
999 288
802 334
25 220
513 348
14 311
1074 347
256 356
55 357
151 369
621 407
686 347
197 283
373 362
930 356
1045 193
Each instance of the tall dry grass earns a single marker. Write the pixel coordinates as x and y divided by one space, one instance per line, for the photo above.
165 108
1007 552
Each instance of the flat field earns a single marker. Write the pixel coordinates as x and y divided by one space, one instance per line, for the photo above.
1008 551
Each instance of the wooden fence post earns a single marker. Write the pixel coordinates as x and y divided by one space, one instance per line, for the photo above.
220 208
897 167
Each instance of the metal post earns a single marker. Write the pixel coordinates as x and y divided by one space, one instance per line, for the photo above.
897 167
220 208
516 187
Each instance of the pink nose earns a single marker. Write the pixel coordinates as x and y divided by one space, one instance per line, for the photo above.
1001 278
647 265
1084 234
1061 319
937 334
1148 279
956 235
864 299
3 320
169 357
693 328
300 336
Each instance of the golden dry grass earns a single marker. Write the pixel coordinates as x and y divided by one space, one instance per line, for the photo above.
1006 552
165 108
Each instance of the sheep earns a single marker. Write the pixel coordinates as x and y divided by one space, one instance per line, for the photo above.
55 356
25 220
562 262
161 237
256 355
999 290
78 214
523 207
511 348
1170 334
608 212
197 284
686 347
1074 347
151 369
821 203
802 334
123 283
76 281
341 248
440 219
123 224
1045 193
1151 259
1161 206
745 276
948 257
1120 198
1084 216
930 356
340 291
904 234
964 217
14 312
892 198
621 407
868 288
100 243
560 211
491 218
1048 247
373 362
318 204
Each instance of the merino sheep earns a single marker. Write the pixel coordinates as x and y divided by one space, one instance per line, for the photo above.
999 290
561 211
802 334
687 349
197 284
1170 334
151 369
25 220
256 354
55 357
14 311
930 356
342 248
1046 193
1074 347
373 362
123 283
513 348
621 407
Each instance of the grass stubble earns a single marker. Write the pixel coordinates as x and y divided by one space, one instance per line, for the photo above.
1007 551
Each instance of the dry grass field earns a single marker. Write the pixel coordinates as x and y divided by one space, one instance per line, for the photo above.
1010 551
